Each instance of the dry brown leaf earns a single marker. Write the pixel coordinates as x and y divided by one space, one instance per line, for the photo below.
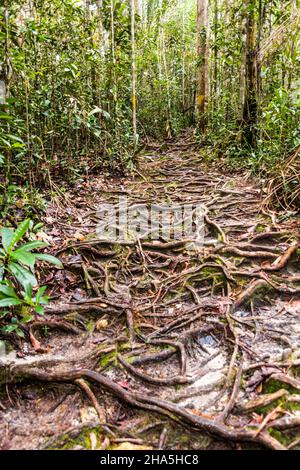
20 203
43 237
101 324
130 446
79 236
204 415
36 344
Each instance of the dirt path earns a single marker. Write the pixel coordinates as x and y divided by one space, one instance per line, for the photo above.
208 337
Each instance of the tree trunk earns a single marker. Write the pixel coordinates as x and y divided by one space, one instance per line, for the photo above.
202 73
133 72
216 19
250 95
113 54
183 54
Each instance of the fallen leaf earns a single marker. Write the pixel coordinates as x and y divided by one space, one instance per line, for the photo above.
130 446
37 345
123 383
43 237
101 324
204 415
79 236
20 203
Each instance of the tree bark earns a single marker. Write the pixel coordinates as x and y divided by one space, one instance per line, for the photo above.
133 73
202 73
250 95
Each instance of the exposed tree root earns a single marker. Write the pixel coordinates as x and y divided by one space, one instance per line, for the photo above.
178 380
282 261
139 400
248 254
169 304
90 394
261 401
251 290
286 422
60 325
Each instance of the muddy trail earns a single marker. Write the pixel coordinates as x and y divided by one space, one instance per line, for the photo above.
151 344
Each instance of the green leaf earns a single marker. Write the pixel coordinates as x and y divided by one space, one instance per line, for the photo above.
26 318
24 276
9 302
6 116
15 138
37 226
8 291
9 328
49 259
7 235
28 291
33 245
40 310
17 145
24 257
5 142
20 332
40 294
20 232
101 111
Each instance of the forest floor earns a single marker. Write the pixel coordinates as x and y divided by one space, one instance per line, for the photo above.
152 344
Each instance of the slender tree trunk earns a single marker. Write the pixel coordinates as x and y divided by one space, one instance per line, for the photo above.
226 75
243 63
183 54
133 72
159 43
6 68
250 101
202 73
5 76
138 7
113 53
261 21
216 19
166 75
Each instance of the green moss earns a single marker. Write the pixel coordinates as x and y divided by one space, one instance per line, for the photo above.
284 440
242 281
272 386
292 406
108 359
264 410
90 326
66 442
260 228
136 329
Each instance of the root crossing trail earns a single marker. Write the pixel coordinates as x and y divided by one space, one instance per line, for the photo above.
148 344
